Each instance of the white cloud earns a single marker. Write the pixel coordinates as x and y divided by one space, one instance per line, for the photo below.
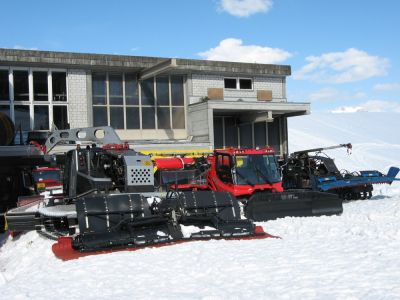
341 67
18 47
231 49
348 109
331 94
245 8
370 106
387 87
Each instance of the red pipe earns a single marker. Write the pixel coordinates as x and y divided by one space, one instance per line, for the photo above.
173 163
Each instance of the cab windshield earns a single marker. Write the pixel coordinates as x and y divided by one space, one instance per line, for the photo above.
256 169
53 175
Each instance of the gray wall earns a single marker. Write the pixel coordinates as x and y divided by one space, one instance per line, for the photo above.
201 82
200 122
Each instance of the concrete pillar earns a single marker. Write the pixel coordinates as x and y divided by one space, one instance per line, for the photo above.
77 98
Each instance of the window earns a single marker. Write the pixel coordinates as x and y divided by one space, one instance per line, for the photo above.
40 87
5 109
177 90
132 118
148 103
117 117
120 101
224 168
60 116
41 117
100 116
148 92
163 117
116 96
245 84
131 90
22 117
59 85
59 97
38 105
99 89
178 117
148 121
178 102
230 83
4 85
169 102
116 101
163 106
162 91
132 114
21 86
238 83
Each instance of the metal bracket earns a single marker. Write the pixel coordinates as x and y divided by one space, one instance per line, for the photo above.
99 135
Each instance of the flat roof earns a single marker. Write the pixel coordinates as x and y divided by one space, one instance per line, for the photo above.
241 107
36 58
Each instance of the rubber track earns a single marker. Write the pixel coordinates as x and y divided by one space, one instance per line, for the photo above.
64 250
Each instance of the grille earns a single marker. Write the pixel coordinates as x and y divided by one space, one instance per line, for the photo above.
140 176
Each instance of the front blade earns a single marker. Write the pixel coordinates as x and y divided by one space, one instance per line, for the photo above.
297 203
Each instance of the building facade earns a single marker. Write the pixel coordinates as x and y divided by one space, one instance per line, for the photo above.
151 102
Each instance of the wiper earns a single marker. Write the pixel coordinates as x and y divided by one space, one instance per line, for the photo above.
259 172
244 178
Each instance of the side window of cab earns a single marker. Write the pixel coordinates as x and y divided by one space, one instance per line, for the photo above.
224 168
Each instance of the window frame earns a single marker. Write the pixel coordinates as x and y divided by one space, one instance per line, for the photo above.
9 85
236 83
140 106
238 79
30 102
251 82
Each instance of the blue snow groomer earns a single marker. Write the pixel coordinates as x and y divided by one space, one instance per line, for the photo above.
320 173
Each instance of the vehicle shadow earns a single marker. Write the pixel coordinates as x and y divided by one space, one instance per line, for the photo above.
380 197
3 238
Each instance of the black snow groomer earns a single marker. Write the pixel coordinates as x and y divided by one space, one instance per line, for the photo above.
320 173
109 204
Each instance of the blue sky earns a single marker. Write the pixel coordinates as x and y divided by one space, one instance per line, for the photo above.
345 55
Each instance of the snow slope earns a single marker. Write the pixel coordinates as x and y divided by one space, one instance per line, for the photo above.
352 256
375 138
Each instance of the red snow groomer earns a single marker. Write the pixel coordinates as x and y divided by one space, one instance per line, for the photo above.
47 179
251 175
109 203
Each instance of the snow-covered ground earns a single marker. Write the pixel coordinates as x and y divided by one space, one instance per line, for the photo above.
352 256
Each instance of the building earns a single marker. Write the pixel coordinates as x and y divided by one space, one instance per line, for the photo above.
153 102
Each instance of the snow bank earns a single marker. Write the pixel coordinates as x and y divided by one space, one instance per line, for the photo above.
352 256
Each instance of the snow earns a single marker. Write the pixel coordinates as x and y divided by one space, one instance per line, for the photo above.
352 256
187 231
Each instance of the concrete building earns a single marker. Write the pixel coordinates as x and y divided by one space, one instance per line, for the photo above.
152 102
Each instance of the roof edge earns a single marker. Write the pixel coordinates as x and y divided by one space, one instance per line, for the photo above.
31 57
